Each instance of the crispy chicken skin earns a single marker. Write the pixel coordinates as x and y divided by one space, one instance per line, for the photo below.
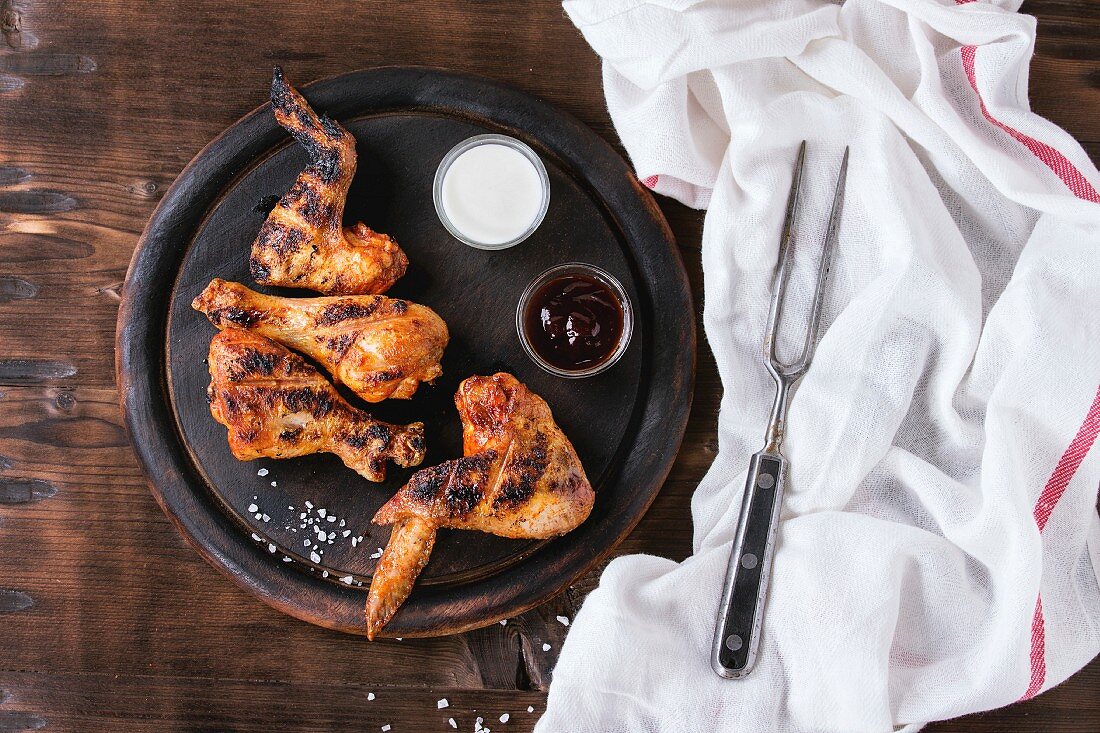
302 244
379 347
278 406
519 477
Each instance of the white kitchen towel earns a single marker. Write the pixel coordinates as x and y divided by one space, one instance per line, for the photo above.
939 543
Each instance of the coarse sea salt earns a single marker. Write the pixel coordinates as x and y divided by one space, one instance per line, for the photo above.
274 483
257 537
253 508
504 718
546 647
451 722
370 695
441 703
530 708
262 472
347 579
321 513
504 622
314 557
385 727
563 620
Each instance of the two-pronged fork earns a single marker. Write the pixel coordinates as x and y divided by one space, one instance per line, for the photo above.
737 632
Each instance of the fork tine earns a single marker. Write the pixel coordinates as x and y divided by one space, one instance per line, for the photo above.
823 267
779 281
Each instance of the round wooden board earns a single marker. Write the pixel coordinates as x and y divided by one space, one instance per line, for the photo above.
626 423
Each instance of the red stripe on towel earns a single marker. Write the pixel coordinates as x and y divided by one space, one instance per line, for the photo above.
1038 652
1060 164
1068 464
1086 435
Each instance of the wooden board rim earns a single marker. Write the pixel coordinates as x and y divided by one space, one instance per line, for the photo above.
145 403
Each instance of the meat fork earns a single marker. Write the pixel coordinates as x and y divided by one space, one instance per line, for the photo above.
737 632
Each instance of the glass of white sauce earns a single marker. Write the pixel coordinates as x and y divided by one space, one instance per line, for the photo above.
491 191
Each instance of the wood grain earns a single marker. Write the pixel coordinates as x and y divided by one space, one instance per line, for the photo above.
129 629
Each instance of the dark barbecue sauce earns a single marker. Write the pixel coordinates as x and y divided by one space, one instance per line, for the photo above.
574 322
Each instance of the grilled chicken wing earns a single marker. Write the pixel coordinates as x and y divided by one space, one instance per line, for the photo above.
278 406
379 347
302 244
519 477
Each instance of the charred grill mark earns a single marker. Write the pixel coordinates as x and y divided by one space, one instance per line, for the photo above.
522 475
284 240
426 483
331 128
388 375
339 345
346 310
232 407
465 490
252 363
304 399
290 436
243 317
399 307
376 433
260 273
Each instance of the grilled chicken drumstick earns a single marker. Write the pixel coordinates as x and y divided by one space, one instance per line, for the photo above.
379 347
303 244
278 406
520 477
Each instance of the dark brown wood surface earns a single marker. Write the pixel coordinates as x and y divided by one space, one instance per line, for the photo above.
108 621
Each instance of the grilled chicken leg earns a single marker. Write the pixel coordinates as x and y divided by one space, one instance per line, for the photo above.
302 244
379 347
519 477
278 406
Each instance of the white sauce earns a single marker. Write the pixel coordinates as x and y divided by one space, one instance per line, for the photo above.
492 193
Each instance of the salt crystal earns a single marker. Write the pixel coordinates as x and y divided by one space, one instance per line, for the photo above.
370 695
305 542
546 647
322 536
563 620
259 516
504 718
271 547
385 727
399 638
257 537
288 559
353 541
530 708
376 555
346 532
253 508
267 518
342 522
451 722
321 513
504 622
347 579
290 507
324 574
262 472
309 505
314 557
274 483
331 518
441 703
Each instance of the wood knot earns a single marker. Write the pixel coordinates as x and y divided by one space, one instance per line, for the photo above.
14 600
65 401
13 288
25 491
143 189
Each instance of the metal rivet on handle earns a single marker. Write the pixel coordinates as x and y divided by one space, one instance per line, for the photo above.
748 561
733 642
765 481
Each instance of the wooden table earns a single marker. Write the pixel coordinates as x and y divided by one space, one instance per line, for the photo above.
107 620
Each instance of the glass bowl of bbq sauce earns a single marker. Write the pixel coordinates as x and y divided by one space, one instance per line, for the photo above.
574 320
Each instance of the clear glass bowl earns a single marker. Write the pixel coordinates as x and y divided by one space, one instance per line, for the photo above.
573 268
472 142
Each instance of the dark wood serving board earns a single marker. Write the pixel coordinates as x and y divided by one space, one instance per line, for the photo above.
626 423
